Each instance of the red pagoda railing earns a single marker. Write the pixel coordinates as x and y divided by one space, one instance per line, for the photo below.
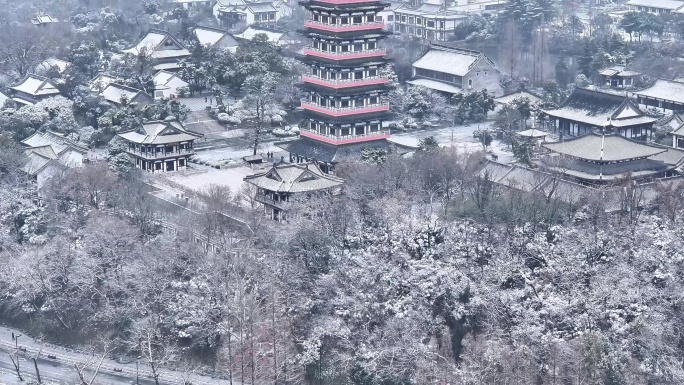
345 55
341 2
347 111
343 27
338 140
338 84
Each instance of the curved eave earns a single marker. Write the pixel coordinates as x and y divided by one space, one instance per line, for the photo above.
345 63
351 119
344 7
378 33
305 59
350 91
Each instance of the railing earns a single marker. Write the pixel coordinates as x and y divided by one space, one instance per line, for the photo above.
379 52
267 200
347 83
345 111
160 155
343 27
346 139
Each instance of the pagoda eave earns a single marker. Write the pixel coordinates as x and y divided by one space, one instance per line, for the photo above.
346 63
346 91
345 35
351 119
345 5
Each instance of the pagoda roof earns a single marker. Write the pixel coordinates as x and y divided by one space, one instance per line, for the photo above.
342 5
602 109
160 132
664 90
604 148
349 91
351 119
323 152
346 35
294 178
343 63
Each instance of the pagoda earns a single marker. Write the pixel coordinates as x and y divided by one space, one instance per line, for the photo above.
346 99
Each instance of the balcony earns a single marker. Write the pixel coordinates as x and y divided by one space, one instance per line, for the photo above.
269 201
343 27
345 111
348 139
162 154
345 55
348 83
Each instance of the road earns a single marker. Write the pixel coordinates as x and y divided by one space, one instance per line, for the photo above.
59 367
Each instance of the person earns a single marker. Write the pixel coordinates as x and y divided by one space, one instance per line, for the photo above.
205 99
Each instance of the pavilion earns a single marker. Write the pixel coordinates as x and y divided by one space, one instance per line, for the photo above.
604 158
590 110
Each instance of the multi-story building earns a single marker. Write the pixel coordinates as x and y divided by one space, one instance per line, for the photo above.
161 146
284 185
234 14
346 93
453 70
427 21
163 49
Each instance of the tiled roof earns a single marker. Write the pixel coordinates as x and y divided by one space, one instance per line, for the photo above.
210 36
153 40
448 60
600 108
435 85
604 148
665 90
518 94
158 132
663 4
36 85
114 92
294 178
57 142
53 62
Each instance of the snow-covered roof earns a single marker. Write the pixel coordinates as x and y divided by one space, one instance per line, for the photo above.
162 79
508 98
158 132
36 85
294 178
43 19
58 143
153 40
101 81
604 148
114 92
618 71
455 61
53 62
664 90
435 85
601 109
532 133
662 4
274 36
262 7
211 36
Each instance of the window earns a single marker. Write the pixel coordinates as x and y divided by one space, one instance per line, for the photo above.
344 103
390 17
371 18
431 24
371 45
419 31
345 48
372 72
357 20
324 19
345 76
358 75
470 83
374 100
403 19
486 73
345 20
477 73
379 18
412 20
158 94
358 47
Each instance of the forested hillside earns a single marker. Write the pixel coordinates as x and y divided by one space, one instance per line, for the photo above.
421 273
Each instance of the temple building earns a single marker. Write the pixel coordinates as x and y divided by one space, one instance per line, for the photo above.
346 101
160 146
618 77
48 153
605 158
287 183
586 111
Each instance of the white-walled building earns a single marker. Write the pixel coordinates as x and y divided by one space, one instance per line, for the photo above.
234 14
167 85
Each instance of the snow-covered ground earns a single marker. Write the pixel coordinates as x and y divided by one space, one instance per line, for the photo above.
460 137
231 177
233 155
